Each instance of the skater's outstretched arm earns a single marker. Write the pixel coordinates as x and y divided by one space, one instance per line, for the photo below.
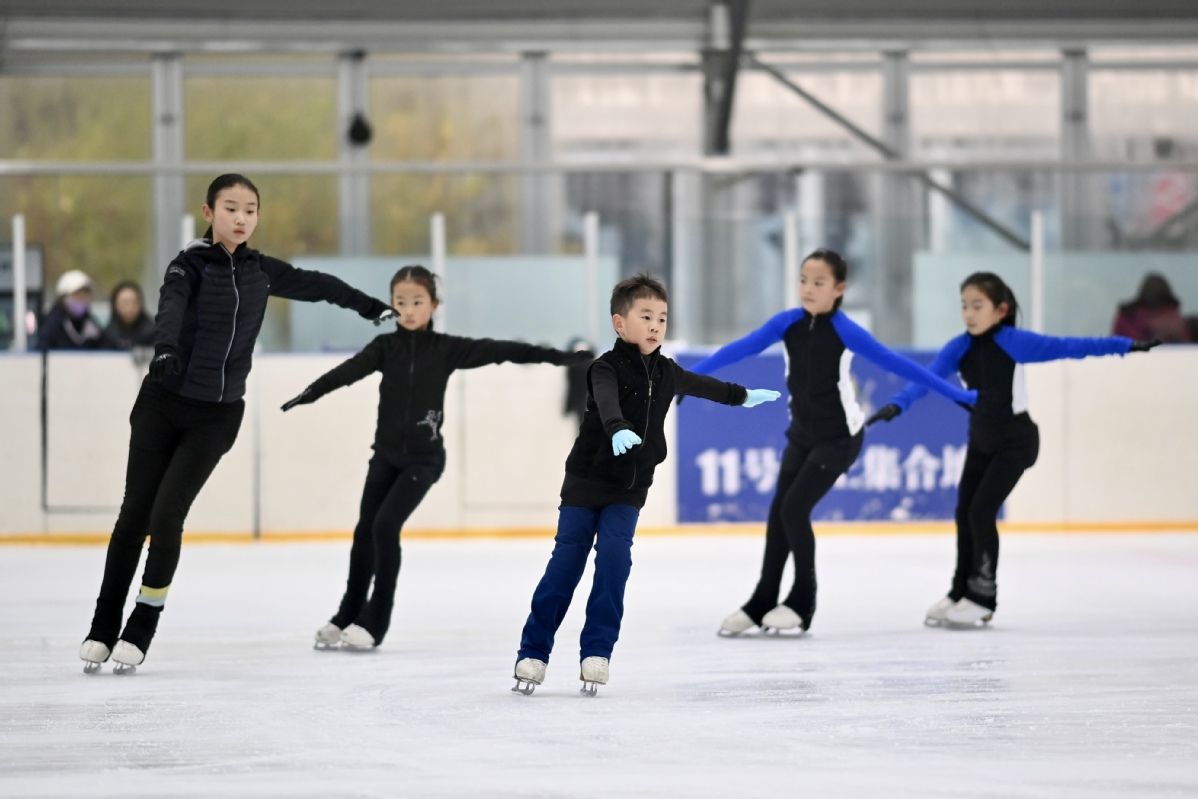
751 344
470 353
861 342
1024 346
369 360
944 365
689 384
310 286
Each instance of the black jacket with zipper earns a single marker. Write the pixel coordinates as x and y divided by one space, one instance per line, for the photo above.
416 366
211 307
630 391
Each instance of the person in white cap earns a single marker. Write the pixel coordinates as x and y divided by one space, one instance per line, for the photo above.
69 324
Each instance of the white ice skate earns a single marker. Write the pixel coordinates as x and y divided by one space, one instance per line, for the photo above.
328 637
127 657
735 624
93 653
967 613
783 620
938 613
356 637
593 673
530 673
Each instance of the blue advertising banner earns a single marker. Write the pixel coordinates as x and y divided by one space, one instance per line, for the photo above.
728 458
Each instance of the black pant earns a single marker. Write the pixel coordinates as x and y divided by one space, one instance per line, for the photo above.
174 445
395 485
987 480
808 472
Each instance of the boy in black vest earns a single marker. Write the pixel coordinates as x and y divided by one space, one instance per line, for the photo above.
608 474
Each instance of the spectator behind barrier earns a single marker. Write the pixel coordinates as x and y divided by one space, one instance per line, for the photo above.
130 325
69 324
1154 313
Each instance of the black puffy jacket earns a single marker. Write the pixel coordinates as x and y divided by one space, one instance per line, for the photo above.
630 391
211 306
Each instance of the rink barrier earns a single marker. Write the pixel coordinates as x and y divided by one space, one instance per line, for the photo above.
825 529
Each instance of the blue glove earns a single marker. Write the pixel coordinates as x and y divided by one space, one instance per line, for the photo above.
756 396
623 441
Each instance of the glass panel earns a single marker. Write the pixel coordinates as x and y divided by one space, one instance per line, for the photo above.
75 118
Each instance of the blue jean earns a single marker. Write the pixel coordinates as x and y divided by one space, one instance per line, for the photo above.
576 532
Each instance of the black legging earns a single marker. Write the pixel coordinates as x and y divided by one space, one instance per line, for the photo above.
174 445
395 485
986 481
808 472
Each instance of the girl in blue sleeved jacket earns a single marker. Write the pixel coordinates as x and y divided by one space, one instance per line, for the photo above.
1003 439
825 433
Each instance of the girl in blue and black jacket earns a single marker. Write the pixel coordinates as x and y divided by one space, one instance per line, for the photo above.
825 433
1003 440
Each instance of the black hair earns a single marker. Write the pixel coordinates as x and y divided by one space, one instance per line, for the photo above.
840 268
227 181
128 284
997 291
631 289
416 273
1155 292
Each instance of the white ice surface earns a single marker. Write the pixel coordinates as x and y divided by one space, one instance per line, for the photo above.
1086 685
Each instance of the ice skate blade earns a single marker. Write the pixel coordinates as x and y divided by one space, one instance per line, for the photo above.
722 633
777 634
589 688
124 668
982 624
934 622
320 646
91 667
524 687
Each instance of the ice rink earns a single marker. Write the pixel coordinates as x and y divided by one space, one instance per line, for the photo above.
1085 685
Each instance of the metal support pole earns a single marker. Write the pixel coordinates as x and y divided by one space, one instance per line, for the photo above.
537 218
790 258
167 98
20 335
437 250
1076 218
353 195
590 239
1036 303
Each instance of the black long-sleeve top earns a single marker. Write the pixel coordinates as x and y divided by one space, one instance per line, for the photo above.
416 366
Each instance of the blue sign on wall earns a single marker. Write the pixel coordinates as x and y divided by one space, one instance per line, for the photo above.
728 458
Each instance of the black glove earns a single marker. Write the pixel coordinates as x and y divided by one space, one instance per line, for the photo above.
306 396
165 363
1144 346
884 414
964 406
386 316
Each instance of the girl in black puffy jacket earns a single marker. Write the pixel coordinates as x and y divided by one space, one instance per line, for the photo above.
189 408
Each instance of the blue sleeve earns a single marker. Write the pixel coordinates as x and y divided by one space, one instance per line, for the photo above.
753 343
945 365
859 341
1025 346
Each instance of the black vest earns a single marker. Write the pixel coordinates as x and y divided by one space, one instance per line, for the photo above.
646 385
